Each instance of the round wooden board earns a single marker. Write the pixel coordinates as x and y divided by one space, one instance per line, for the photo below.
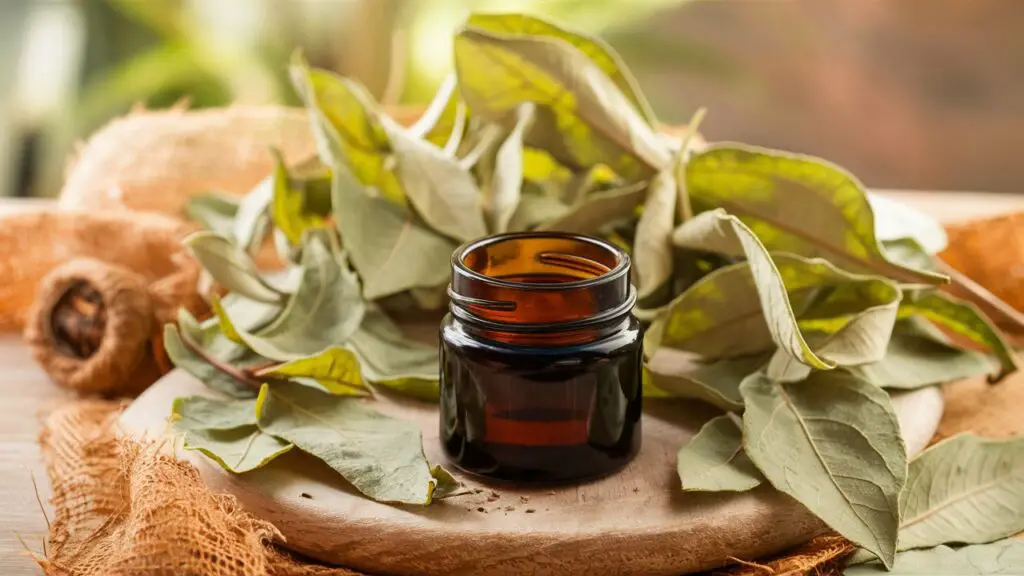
637 522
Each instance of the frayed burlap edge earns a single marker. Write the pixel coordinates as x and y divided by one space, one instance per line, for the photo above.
127 508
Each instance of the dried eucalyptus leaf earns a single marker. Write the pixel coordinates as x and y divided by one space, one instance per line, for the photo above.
252 221
348 129
430 298
652 248
246 314
583 118
380 456
833 443
964 319
443 193
200 412
335 370
752 306
189 361
325 309
965 489
391 251
796 204
214 212
535 208
683 375
914 360
288 206
388 358
1004 557
600 53
231 268
714 461
238 450
596 210
503 175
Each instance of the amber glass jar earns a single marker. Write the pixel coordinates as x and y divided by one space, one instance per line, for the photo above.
540 359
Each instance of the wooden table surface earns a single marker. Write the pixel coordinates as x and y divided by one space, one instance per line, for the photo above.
27 393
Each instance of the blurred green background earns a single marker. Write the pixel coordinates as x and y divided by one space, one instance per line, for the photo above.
906 93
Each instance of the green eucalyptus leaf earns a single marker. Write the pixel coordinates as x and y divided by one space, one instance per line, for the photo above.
597 51
796 204
223 350
684 375
288 206
914 359
502 175
965 489
583 118
539 166
348 129
380 456
226 432
334 370
536 208
596 210
443 193
214 212
833 443
200 412
389 359
389 247
652 248
963 319
325 309
1004 557
714 461
231 267
753 306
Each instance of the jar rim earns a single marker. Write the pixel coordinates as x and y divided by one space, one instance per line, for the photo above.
621 266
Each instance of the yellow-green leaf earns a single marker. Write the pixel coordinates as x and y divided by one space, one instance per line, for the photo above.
440 122
336 369
288 206
600 53
964 319
796 204
348 128
226 326
684 375
583 118
226 432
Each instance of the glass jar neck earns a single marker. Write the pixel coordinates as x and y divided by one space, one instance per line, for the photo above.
540 282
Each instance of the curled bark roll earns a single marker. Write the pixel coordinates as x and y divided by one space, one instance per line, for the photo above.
90 328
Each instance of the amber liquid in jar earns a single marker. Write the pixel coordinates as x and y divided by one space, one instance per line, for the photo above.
540 359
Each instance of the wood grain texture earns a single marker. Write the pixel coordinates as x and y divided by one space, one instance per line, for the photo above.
635 522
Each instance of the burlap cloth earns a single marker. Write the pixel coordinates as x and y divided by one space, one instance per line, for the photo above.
125 508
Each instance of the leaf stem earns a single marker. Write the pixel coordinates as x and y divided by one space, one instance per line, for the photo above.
237 374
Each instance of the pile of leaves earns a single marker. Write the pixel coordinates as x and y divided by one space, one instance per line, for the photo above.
775 288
